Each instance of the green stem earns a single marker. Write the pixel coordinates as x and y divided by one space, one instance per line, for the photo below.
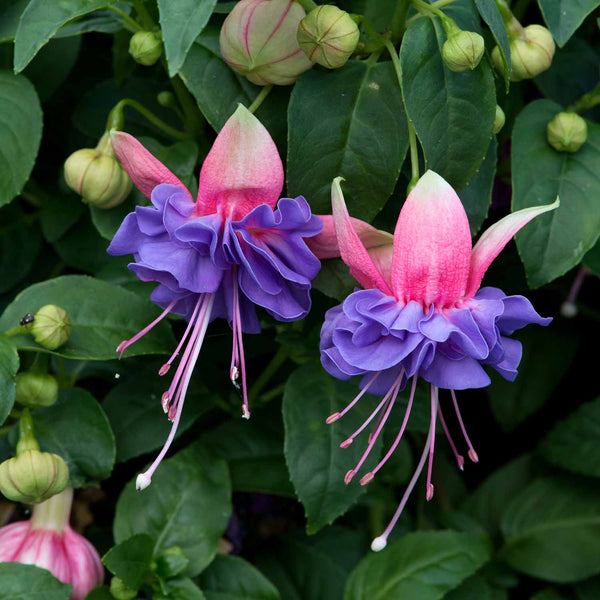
513 27
307 5
27 439
144 15
134 26
260 98
272 393
395 60
439 5
376 515
193 118
178 135
14 331
399 19
421 5
586 101
414 156
278 359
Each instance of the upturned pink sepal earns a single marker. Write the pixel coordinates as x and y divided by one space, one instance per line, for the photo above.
432 245
145 170
493 240
242 170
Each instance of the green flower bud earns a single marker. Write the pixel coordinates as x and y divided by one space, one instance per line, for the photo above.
258 40
145 47
120 591
463 50
499 120
33 476
165 98
567 132
51 327
170 563
328 36
36 389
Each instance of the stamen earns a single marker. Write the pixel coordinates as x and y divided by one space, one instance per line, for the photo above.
347 442
472 454
338 415
237 353
126 343
459 459
144 479
349 475
434 405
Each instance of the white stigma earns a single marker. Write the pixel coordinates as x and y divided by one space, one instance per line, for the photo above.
379 543
568 310
245 412
142 482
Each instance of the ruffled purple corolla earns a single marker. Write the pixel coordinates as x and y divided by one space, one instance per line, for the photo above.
421 313
236 247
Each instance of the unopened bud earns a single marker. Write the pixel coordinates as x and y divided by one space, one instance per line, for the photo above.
51 327
328 36
165 98
120 591
462 51
36 389
258 40
567 132
170 563
145 47
499 120
33 476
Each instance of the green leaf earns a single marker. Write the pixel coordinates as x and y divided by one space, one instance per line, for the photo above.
232 578
491 15
573 443
316 462
477 195
476 588
10 13
100 593
418 566
187 504
42 19
181 23
552 530
183 588
130 560
540 372
26 581
60 213
9 365
554 242
452 113
588 590
334 279
20 133
548 594
563 17
351 123
89 447
102 315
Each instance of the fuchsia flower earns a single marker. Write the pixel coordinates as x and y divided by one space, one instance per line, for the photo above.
421 312
48 541
236 246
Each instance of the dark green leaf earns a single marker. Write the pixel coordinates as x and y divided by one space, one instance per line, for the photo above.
103 21
232 578
491 15
59 213
100 593
102 315
20 133
316 462
130 560
350 123
181 23
418 566
452 113
588 590
574 444
88 448
554 242
9 365
563 17
183 588
552 530
187 504
26 581
334 279
10 13
548 594
476 588
42 19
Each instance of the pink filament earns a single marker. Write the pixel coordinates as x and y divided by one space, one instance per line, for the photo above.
459 458
472 453
434 405
237 353
339 415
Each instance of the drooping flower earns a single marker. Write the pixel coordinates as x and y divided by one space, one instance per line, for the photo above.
49 542
236 246
421 313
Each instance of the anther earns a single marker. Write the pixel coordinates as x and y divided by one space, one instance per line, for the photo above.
164 369
366 479
473 455
429 494
332 418
349 476
245 412
346 443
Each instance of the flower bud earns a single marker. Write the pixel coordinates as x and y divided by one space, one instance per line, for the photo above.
567 132
328 36
120 591
499 120
145 47
258 40
33 476
170 563
51 327
463 50
36 389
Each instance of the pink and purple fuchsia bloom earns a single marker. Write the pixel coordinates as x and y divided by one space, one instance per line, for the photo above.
235 247
421 313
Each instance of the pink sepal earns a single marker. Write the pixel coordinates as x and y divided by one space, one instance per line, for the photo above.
145 170
242 170
432 245
493 240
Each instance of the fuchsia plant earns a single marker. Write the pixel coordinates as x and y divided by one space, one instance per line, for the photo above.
421 313
234 247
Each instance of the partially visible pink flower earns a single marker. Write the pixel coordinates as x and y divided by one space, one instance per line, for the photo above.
48 541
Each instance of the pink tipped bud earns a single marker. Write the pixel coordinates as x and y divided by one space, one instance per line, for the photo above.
429 494
461 462
349 476
164 369
473 455
366 479
346 443
245 412
258 40
332 418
